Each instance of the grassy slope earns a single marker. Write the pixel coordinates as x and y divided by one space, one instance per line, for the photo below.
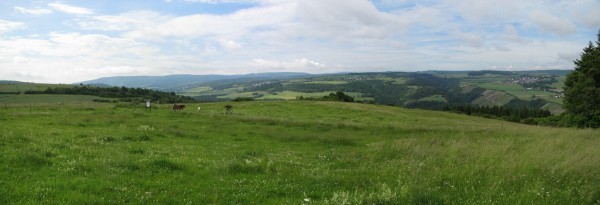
46 99
22 87
493 98
286 152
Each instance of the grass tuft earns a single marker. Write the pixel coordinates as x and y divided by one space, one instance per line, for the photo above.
34 161
165 165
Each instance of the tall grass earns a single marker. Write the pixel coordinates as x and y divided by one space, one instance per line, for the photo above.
288 153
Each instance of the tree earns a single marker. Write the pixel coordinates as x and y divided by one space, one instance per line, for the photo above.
582 87
339 96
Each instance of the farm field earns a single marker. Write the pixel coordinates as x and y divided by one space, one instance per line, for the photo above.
290 152
290 95
493 98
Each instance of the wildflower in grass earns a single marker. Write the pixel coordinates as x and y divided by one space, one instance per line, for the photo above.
145 128
306 199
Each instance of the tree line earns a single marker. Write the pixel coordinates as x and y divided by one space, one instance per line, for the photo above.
337 96
522 114
123 93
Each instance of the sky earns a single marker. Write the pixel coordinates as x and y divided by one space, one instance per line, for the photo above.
70 41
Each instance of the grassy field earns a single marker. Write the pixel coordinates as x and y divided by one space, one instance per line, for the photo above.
502 86
289 152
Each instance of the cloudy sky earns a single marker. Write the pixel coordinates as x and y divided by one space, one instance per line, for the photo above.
74 40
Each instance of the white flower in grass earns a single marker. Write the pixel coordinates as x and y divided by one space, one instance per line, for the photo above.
145 128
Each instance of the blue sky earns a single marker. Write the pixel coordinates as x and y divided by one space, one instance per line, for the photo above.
74 40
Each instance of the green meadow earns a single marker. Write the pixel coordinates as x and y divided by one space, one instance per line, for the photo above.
286 152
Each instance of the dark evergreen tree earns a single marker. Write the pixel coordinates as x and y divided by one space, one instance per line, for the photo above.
582 87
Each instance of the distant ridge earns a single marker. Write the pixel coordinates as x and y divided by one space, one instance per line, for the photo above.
171 82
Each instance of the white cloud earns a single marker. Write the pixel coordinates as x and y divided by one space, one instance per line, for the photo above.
294 65
59 6
123 22
347 20
549 23
32 11
485 11
6 26
229 44
62 57
472 40
511 34
220 1
569 57
589 14
233 26
425 16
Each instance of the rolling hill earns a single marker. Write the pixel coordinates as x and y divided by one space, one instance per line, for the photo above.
429 90
173 82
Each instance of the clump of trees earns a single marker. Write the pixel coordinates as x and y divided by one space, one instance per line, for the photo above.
582 90
337 96
243 99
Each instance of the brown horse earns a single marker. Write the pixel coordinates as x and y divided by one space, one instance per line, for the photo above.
178 107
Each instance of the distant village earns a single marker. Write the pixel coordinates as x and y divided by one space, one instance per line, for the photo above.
521 80
258 84
536 83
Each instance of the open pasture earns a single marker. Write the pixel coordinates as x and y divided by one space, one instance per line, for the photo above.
287 153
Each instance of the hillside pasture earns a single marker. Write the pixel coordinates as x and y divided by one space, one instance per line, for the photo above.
493 98
197 91
435 98
502 86
554 108
26 99
12 87
288 152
